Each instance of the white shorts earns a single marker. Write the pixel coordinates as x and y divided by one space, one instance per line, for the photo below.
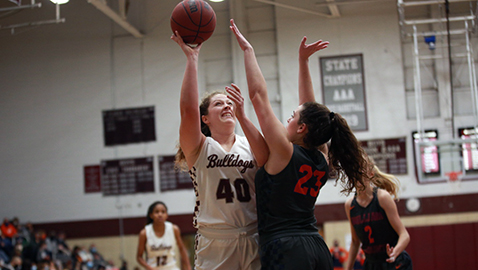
226 250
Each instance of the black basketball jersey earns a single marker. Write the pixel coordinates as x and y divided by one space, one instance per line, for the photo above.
373 229
286 201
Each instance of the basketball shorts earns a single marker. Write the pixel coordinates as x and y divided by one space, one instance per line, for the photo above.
221 250
403 262
296 252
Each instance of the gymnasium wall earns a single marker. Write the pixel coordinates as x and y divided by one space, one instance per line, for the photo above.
57 79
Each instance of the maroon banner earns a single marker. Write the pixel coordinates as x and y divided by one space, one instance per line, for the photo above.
92 174
127 176
171 178
390 155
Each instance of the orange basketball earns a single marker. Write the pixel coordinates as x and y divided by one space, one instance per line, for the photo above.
194 20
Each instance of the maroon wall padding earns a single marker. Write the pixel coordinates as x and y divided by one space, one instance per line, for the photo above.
323 213
111 227
444 247
429 206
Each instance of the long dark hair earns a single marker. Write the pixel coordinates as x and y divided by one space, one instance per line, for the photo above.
346 156
180 158
151 209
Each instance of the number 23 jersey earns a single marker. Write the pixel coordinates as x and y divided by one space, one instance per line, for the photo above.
286 201
224 185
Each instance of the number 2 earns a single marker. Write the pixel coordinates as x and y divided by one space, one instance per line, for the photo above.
304 190
369 230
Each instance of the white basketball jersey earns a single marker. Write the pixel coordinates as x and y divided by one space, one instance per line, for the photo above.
224 185
160 251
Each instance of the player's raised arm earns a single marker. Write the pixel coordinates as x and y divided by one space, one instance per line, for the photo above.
306 89
190 136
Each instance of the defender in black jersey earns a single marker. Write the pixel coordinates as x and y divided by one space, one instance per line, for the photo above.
297 167
288 234
376 225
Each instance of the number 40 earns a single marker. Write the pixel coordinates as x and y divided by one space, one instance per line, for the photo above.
224 190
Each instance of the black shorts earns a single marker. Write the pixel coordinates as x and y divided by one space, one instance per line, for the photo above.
403 262
304 252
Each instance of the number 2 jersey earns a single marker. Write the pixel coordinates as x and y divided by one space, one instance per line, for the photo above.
372 228
286 201
161 251
224 185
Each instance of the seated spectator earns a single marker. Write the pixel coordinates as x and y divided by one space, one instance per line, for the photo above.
358 265
16 263
124 265
76 260
111 265
64 252
43 253
26 264
6 249
25 233
31 250
61 239
52 244
8 229
339 255
86 257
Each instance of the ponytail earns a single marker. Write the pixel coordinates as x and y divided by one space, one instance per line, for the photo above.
346 155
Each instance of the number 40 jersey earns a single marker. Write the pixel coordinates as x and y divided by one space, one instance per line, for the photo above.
224 185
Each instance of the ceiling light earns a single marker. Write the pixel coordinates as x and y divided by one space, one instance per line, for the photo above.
59 1
216 0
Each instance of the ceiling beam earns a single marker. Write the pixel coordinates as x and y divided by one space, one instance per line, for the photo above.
334 10
295 8
103 7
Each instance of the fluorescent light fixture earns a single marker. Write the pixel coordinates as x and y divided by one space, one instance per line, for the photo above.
216 0
59 1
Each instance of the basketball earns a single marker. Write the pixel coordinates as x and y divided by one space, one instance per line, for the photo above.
194 20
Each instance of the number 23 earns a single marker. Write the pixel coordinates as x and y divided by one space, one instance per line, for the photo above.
308 174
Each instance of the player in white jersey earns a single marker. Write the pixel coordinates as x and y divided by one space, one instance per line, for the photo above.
159 241
222 166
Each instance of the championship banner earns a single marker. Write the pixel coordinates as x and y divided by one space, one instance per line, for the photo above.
344 89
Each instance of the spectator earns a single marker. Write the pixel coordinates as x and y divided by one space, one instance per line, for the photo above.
64 252
27 264
31 250
8 229
86 258
76 260
94 251
359 260
52 244
339 255
111 265
124 265
5 249
43 253
16 263
25 233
